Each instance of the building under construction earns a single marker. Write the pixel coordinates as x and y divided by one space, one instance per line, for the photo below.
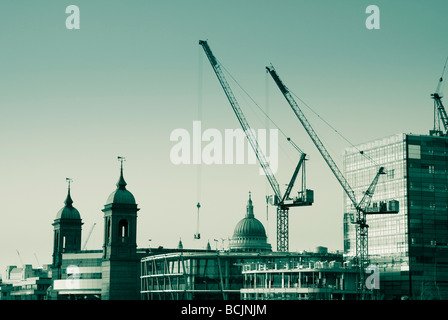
311 280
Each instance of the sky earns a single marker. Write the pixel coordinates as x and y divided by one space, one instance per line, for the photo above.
73 100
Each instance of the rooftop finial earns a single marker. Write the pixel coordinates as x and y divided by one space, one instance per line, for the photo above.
68 201
121 184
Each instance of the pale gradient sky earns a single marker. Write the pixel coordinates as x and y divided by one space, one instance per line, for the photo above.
73 100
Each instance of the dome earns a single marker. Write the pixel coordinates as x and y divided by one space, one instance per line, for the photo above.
68 212
121 195
249 233
249 227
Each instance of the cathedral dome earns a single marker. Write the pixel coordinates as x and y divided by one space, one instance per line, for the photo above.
249 233
249 227
121 195
68 212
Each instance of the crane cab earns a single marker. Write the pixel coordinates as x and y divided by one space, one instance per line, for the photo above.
304 198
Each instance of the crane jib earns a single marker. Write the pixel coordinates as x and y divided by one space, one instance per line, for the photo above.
209 53
305 198
242 120
314 137
277 80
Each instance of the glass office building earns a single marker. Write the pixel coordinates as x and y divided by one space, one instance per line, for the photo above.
410 247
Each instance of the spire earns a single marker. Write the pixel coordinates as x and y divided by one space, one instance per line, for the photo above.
121 184
249 208
68 201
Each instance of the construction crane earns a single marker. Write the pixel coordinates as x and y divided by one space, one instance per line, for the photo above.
20 258
282 202
197 235
37 260
88 237
362 207
439 110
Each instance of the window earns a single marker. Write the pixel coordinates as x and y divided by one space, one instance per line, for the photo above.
123 228
108 230
391 174
414 151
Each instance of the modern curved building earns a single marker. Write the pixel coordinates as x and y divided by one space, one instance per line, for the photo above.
217 275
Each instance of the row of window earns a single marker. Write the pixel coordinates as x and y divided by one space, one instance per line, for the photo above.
93 275
82 263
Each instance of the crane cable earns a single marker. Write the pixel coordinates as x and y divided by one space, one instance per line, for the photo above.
267 196
199 115
199 167
361 152
265 114
284 134
335 130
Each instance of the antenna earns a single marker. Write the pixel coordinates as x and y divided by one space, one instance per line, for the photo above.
197 234
216 244
268 200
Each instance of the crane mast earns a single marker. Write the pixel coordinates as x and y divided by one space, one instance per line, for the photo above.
307 196
438 105
361 207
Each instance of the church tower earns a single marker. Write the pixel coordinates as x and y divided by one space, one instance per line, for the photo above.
67 231
120 266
